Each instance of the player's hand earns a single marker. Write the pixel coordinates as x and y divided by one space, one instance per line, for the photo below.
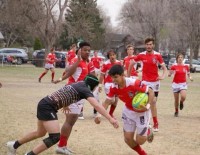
65 110
145 108
100 89
97 119
79 54
56 81
161 78
114 122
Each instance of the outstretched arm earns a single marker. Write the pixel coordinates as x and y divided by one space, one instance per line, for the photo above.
102 111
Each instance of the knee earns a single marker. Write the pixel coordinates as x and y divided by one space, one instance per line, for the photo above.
141 140
52 139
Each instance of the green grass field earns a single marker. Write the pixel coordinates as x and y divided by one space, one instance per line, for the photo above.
21 92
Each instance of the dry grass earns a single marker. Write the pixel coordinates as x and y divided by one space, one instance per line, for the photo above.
21 92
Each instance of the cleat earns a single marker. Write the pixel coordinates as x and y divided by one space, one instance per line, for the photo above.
11 149
63 150
155 128
176 114
181 105
80 116
39 80
150 135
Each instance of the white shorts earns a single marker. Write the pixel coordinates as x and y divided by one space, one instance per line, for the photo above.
107 87
153 85
48 66
133 120
97 71
134 77
177 87
75 108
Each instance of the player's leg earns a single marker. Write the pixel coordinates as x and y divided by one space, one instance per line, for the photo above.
154 113
52 74
66 129
182 98
176 103
96 95
113 107
52 127
43 74
40 132
129 126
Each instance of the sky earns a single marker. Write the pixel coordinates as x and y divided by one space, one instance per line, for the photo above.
112 7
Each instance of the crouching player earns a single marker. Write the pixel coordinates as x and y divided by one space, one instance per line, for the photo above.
126 88
47 117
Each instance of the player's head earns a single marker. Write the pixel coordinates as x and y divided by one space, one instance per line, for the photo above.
52 50
179 57
130 49
73 47
91 81
149 44
85 50
111 55
117 73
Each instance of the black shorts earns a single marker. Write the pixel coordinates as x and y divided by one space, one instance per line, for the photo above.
46 110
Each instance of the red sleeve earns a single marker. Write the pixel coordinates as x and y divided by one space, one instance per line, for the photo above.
103 69
139 86
91 67
73 61
172 67
138 57
111 93
160 59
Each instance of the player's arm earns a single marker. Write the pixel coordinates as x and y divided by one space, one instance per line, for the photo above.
102 111
131 65
164 73
189 75
101 81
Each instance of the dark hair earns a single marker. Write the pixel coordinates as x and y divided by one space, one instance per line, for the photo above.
116 70
108 53
128 46
91 81
81 44
148 40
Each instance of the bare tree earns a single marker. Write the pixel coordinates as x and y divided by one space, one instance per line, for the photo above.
146 18
187 13
45 19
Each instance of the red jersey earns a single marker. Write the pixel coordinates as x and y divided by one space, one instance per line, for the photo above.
105 69
127 93
70 55
51 57
149 63
81 71
96 61
180 73
127 60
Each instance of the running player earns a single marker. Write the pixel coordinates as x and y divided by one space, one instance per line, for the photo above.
179 83
104 76
149 60
71 54
127 59
50 60
47 117
77 71
126 88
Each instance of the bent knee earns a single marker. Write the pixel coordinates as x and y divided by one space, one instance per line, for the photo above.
52 139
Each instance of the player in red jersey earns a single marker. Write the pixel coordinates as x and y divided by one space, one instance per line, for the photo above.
149 60
77 71
97 61
179 83
126 88
127 59
71 54
104 76
50 60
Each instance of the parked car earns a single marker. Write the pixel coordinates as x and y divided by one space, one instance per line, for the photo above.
19 54
39 57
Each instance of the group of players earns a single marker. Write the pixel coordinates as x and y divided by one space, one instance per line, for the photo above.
119 81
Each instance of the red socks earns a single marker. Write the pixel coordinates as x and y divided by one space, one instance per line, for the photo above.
63 141
52 76
139 150
112 109
42 75
155 121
